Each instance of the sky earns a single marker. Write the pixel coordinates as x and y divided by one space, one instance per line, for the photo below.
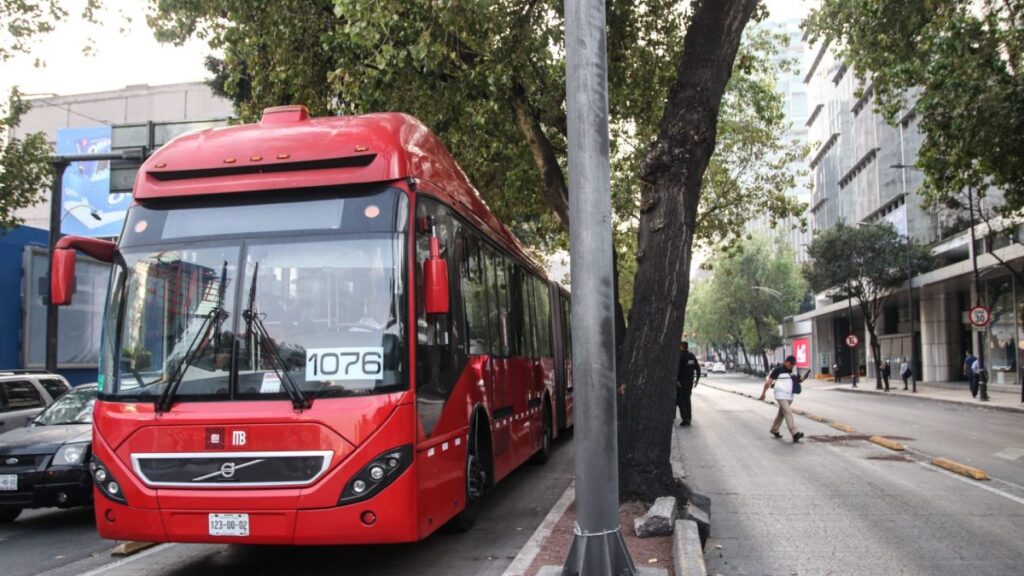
135 57
118 59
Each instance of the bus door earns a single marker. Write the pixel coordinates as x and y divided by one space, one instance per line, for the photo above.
502 408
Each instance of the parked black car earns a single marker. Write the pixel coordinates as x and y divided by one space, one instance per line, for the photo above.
47 463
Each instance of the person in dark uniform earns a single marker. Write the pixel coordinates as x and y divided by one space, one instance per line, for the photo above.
686 380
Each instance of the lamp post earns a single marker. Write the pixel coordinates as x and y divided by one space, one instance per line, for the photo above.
60 164
983 390
853 349
910 274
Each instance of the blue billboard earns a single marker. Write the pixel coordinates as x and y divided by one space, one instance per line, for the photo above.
88 208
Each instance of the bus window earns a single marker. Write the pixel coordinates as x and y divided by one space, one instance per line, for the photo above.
474 296
498 309
529 307
543 319
436 368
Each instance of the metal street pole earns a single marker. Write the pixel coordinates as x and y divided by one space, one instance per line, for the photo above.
853 349
598 548
983 391
910 274
60 164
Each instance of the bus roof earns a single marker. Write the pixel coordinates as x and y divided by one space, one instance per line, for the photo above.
289 150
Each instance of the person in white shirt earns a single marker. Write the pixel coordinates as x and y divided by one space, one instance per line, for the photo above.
782 379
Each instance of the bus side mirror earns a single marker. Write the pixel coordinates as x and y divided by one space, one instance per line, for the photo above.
62 276
435 281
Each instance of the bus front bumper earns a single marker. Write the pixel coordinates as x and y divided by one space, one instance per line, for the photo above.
388 517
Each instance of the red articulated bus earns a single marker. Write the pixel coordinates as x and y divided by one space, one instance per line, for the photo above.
316 333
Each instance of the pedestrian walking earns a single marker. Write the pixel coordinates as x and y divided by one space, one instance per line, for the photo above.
784 382
980 378
687 378
905 373
886 371
972 381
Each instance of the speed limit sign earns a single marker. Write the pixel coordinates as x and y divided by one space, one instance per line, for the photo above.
980 316
852 340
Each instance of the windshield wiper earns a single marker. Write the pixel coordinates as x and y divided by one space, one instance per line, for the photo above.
213 318
252 320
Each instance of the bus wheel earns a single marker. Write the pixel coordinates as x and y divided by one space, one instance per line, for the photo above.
544 453
476 485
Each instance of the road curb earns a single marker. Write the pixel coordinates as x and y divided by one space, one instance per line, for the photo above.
975 404
890 444
843 427
130 548
529 551
687 554
959 468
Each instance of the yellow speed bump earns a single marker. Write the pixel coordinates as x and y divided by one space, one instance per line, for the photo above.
960 468
131 548
817 418
890 444
798 411
843 427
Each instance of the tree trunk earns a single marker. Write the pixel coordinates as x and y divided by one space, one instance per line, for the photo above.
672 172
746 357
555 190
876 355
764 359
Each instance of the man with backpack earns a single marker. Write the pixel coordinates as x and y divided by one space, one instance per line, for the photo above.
786 384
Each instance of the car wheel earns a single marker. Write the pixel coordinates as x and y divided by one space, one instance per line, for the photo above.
9 514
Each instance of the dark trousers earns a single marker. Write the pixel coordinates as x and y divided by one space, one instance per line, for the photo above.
973 381
683 401
885 379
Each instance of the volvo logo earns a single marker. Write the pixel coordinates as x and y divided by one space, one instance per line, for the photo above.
11 461
227 470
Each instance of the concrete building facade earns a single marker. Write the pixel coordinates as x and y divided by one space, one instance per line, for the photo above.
861 169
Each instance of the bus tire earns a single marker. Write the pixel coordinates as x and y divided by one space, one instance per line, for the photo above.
543 454
476 485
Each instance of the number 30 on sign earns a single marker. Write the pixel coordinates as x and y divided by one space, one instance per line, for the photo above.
980 316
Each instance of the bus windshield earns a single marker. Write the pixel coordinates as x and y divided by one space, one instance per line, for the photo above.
240 317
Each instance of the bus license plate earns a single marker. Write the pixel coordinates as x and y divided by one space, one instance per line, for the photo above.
229 524
8 482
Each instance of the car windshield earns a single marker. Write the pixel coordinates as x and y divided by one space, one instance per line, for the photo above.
231 316
74 407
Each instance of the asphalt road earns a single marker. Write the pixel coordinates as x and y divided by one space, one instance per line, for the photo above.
832 505
59 543
992 440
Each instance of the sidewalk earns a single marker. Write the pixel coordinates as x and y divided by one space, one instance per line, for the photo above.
999 400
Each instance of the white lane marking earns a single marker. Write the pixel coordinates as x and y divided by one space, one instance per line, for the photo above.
124 561
1010 454
974 483
524 559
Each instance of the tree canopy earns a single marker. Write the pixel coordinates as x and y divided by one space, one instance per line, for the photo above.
957 65
867 263
753 287
25 170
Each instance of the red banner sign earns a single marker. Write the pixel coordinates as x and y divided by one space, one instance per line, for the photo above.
802 351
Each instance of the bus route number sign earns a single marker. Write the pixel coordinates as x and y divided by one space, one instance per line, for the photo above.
980 316
328 364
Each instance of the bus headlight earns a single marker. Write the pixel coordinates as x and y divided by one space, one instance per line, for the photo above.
376 475
105 481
